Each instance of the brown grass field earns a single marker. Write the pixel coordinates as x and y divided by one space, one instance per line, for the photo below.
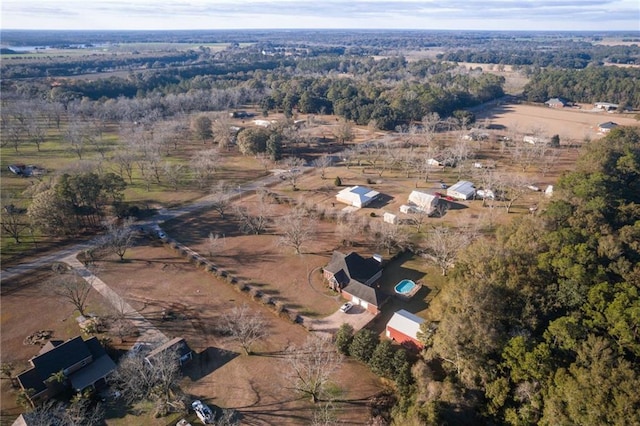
155 279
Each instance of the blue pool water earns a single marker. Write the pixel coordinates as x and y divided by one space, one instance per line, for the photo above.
405 286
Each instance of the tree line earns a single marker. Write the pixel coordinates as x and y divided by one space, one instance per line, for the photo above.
594 84
540 323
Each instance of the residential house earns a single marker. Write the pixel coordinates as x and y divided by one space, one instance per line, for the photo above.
556 103
403 327
176 345
462 190
607 127
83 364
356 278
357 196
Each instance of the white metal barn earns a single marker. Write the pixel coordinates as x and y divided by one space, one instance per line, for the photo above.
357 196
463 190
423 201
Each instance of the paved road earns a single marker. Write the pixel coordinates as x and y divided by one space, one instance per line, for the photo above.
162 216
148 333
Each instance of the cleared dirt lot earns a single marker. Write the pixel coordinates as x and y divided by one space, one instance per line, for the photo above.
183 301
572 125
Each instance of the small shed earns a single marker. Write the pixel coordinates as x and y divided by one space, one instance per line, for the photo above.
463 190
357 196
403 327
607 127
390 218
182 351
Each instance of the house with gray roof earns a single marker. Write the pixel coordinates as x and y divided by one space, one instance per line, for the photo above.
356 278
83 364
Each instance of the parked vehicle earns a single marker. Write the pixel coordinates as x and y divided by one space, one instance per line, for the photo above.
346 307
203 412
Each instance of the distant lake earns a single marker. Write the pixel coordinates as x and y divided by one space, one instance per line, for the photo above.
22 49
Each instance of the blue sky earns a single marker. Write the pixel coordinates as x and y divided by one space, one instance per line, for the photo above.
596 15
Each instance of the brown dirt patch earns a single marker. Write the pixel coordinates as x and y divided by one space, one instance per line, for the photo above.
155 280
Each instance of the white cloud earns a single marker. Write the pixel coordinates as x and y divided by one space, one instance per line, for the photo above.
214 14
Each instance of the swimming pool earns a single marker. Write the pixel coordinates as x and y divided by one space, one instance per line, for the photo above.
405 287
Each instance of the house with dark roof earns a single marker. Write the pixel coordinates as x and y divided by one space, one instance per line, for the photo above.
607 127
356 278
79 363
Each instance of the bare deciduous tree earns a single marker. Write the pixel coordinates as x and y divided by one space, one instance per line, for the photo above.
308 368
322 163
254 224
155 381
387 236
204 165
174 174
220 198
13 219
215 243
202 127
442 245
223 131
349 228
73 288
297 228
119 237
293 166
245 327
344 132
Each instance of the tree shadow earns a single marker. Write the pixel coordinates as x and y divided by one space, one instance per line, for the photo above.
207 361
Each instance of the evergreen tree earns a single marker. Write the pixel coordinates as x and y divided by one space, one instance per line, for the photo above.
344 337
363 344
381 361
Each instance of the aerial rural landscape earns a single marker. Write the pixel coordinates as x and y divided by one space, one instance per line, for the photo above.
320 227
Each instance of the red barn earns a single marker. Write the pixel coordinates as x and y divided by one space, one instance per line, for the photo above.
403 327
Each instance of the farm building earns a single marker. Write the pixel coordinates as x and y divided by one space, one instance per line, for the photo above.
423 202
606 106
84 364
556 103
403 327
462 190
357 196
178 345
607 127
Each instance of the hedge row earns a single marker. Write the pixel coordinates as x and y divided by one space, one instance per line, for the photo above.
277 306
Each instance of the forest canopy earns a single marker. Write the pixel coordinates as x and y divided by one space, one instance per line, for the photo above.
544 322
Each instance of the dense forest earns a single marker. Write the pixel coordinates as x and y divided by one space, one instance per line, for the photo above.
594 84
542 322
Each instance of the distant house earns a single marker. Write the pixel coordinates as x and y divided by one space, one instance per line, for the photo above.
535 140
356 278
403 327
176 345
434 162
264 123
462 190
556 103
357 196
423 202
607 127
83 363
606 106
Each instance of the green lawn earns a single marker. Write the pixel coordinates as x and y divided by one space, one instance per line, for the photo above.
415 268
